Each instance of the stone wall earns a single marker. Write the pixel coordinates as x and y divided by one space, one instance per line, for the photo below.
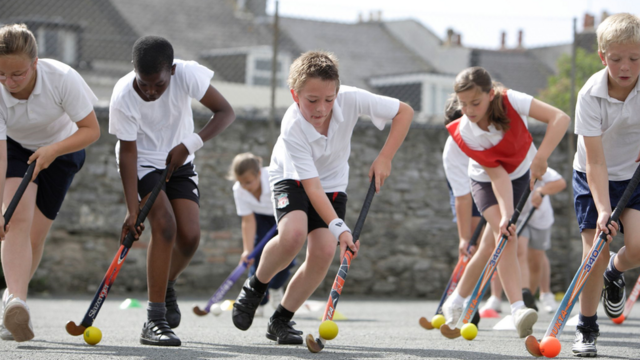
409 243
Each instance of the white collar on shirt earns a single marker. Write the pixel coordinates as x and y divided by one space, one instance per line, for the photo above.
311 133
476 130
11 101
601 88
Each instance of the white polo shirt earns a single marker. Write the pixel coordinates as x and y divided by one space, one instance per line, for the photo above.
478 139
617 122
303 153
542 218
157 126
247 204
456 164
59 99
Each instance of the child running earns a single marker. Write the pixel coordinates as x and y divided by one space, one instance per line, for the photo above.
151 115
308 176
252 196
494 134
608 130
46 116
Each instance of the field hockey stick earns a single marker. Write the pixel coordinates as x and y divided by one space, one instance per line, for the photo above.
575 288
116 264
629 304
456 275
489 269
13 204
316 345
526 220
235 275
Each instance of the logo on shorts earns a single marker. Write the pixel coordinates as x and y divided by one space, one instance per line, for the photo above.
283 201
195 191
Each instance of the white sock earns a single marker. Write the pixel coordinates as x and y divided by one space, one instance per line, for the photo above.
516 306
456 299
466 301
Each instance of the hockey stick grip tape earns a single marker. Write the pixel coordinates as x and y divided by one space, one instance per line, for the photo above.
129 239
365 209
477 232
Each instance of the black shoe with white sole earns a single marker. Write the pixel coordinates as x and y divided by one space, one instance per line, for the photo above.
158 333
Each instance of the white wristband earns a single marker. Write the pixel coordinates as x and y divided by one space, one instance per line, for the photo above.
193 142
337 227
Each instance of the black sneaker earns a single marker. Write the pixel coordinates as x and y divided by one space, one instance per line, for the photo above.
245 306
173 311
585 342
292 330
158 333
614 296
280 330
529 300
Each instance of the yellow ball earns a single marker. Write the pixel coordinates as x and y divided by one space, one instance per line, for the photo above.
328 330
438 321
92 335
469 331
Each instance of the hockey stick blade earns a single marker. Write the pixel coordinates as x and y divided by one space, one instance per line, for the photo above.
426 323
336 289
455 275
198 311
448 332
533 346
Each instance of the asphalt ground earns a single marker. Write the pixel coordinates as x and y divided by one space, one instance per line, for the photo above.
378 329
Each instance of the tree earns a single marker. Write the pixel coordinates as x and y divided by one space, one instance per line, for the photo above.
558 91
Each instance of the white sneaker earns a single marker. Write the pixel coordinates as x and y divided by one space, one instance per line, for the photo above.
548 301
275 297
259 311
451 312
4 333
493 303
524 319
18 320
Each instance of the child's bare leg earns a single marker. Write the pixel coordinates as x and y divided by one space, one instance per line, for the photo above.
39 230
629 255
477 263
16 247
590 296
321 249
537 262
187 215
163 235
523 260
282 249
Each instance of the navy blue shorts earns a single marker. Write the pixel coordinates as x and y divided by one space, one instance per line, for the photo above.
53 182
289 195
452 202
183 184
586 211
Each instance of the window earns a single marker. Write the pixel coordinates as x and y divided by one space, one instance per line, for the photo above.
58 43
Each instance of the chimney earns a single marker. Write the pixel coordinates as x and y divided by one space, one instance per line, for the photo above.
605 15
371 16
379 15
503 41
459 42
360 18
450 33
520 34
589 22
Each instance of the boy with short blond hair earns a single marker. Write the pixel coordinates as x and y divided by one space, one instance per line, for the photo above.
608 151
308 176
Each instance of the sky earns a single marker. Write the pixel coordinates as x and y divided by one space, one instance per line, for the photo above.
544 22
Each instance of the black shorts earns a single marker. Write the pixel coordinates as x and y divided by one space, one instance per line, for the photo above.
53 182
183 184
484 197
289 195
